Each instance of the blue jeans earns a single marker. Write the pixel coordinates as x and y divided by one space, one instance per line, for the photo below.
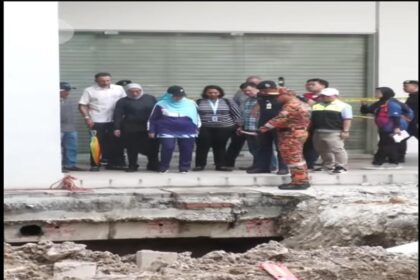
69 148
264 160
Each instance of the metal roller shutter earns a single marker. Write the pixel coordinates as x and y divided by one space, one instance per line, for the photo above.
157 60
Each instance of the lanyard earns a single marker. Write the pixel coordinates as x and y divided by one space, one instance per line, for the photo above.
214 106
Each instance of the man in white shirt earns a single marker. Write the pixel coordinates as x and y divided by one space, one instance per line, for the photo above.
97 106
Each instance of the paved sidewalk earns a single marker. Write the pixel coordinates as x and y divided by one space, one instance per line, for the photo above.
145 179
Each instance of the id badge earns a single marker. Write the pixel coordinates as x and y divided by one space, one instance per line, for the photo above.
214 118
268 106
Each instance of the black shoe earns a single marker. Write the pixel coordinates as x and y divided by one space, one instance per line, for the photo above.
255 171
131 169
94 168
74 168
115 167
198 168
152 168
223 168
323 169
294 186
339 169
283 172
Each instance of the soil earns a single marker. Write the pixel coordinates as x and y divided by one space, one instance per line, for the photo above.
36 261
356 216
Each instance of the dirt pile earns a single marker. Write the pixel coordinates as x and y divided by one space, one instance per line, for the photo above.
355 216
35 261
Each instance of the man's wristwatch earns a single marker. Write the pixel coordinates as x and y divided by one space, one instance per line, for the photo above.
345 131
87 117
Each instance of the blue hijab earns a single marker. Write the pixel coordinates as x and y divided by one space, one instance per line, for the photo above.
185 107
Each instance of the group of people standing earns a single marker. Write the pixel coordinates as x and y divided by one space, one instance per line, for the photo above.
262 114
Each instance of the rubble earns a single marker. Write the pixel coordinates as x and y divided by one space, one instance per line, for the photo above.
364 262
355 216
154 260
341 233
74 269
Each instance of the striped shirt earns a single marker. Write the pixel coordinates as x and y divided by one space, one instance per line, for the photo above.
226 115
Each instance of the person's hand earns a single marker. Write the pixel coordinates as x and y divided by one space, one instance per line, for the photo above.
282 90
263 129
89 123
238 131
397 130
344 134
151 135
117 133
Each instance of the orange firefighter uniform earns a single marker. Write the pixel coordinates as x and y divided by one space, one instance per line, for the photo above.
292 123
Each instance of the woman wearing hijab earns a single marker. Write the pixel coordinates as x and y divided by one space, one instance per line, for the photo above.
130 122
391 117
175 119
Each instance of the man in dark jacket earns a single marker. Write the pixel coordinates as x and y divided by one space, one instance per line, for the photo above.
412 88
269 107
130 122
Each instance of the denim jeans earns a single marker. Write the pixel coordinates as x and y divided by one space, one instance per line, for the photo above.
69 148
265 160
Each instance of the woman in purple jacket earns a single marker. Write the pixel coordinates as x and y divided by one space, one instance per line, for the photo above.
175 119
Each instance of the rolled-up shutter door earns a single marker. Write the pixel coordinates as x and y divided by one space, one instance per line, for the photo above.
158 60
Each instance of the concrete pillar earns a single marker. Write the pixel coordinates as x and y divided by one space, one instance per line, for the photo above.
31 94
398 48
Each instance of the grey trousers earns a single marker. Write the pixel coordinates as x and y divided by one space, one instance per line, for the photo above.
330 147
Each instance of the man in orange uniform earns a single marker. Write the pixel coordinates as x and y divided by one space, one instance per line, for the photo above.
291 124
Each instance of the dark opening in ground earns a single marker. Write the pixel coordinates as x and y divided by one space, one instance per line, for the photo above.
198 246
31 230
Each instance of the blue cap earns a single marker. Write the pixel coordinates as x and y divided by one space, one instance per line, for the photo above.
65 86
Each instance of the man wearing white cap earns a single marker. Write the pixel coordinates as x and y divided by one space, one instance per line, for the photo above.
331 121
130 122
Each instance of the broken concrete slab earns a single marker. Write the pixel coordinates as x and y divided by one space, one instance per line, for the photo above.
61 251
75 269
187 212
407 249
153 260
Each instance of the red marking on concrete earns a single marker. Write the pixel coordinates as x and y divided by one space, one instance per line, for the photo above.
260 227
163 227
59 229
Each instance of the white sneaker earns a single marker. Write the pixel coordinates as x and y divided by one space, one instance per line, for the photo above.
164 171
374 167
393 166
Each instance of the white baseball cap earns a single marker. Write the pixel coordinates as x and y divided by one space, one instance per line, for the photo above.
329 92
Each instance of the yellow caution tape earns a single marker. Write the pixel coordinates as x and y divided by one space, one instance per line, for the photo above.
367 99
363 117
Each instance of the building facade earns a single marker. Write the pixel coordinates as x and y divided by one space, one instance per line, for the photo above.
356 46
